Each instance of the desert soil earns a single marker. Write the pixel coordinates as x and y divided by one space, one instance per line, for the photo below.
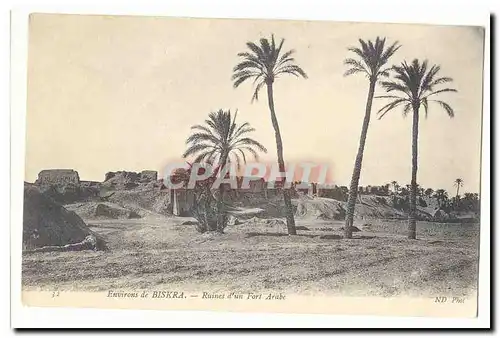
160 253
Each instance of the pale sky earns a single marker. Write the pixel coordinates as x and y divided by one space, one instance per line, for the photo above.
108 93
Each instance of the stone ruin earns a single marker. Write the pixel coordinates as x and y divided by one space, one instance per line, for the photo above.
149 175
123 188
64 186
57 177
127 180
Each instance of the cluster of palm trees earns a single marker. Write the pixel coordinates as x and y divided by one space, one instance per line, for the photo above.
465 202
408 85
397 189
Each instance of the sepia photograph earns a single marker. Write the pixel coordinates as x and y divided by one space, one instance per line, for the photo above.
180 163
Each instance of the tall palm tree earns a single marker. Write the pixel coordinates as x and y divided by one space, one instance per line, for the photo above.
264 64
415 86
220 141
372 58
458 183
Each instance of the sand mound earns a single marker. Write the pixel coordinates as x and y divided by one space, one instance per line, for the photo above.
104 210
276 223
112 211
382 207
245 213
319 208
258 205
46 222
143 202
368 207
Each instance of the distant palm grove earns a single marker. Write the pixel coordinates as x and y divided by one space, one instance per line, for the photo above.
410 88
400 197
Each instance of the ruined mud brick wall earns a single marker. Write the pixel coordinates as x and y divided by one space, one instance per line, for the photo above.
150 175
145 175
58 177
182 200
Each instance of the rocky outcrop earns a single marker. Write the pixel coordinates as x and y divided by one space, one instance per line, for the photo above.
319 208
70 193
116 212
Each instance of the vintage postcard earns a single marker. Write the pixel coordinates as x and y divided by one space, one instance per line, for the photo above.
252 165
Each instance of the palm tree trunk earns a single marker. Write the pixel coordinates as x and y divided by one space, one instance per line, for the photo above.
290 221
353 190
220 201
412 223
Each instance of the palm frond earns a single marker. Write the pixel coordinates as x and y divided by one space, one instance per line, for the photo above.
446 107
390 51
242 77
285 57
202 137
426 106
255 96
250 57
248 64
439 81
354 71
256 49
406 109
441 91
202 128
207 156
196 148
251 151
241 132
242 155
388 107
388 97
237 133
233 124
246 141
278 50
238 159
291 69
384 72
390 86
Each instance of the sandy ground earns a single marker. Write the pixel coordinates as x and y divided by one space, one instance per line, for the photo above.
161 254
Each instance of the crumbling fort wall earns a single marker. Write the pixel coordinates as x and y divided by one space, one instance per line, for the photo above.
57 177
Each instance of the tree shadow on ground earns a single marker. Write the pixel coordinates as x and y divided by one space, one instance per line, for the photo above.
281 234
342 237
330 237
275 234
